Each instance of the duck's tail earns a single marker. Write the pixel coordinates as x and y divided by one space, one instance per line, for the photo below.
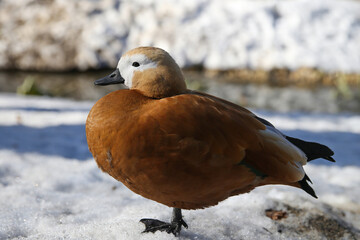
313 151
304 185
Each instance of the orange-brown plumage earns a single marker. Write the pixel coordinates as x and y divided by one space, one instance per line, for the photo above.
156 142
183 148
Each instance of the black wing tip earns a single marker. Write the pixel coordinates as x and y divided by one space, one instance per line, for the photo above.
329 158
306 187
313 150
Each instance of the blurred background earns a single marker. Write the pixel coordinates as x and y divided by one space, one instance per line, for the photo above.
283 55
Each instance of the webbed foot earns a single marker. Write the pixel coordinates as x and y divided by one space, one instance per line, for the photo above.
153 225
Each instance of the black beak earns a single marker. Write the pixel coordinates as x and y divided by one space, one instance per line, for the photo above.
114 78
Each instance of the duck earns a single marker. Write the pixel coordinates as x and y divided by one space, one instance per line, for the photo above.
184 148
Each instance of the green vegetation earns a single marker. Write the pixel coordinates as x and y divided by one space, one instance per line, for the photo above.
28 87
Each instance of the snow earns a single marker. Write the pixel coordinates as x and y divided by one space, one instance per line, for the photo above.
51 188
224 34
237 34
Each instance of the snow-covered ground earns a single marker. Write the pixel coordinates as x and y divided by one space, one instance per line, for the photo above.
51 188
65 34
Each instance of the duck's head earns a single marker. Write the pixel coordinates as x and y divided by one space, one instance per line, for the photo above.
150 70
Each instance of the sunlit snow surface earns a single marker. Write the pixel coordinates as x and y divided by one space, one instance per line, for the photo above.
51 188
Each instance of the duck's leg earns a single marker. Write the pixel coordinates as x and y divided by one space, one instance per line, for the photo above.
153 225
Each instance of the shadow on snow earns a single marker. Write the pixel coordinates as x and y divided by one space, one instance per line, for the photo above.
69 141
43 109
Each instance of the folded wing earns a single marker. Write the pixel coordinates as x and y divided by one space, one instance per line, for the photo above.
226 128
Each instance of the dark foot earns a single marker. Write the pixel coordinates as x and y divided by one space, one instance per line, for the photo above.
153 225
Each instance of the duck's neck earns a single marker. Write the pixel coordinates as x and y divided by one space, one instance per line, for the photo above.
160 84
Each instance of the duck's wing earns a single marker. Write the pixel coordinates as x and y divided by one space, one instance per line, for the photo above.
230 134
312 150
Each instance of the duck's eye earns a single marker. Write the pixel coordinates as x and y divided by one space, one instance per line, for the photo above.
135 64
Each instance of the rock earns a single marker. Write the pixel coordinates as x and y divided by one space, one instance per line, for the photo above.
312 220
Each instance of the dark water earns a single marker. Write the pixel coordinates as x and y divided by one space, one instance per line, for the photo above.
79 86
74 85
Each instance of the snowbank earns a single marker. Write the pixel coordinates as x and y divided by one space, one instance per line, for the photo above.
51 187
84 34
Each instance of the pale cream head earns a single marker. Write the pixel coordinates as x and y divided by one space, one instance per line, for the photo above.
152 71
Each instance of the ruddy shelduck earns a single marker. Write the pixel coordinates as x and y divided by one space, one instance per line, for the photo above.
184 148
